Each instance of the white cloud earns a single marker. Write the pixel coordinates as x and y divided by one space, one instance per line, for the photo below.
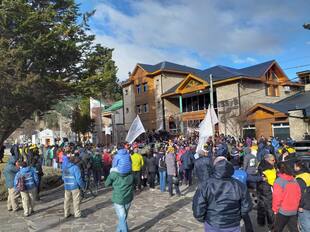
246 60
183 30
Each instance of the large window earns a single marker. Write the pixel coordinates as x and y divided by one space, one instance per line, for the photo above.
195 103
249 131
281 130
272 86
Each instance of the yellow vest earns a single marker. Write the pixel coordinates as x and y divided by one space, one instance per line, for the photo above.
271 175
305 177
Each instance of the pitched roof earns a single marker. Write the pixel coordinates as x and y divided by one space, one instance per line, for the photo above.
165 65
299 101
115 106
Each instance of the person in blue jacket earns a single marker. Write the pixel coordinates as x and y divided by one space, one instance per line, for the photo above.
73 182
9 172
30 181
122 162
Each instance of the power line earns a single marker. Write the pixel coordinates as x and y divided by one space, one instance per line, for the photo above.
299 66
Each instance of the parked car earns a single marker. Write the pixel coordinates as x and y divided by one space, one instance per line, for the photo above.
302 146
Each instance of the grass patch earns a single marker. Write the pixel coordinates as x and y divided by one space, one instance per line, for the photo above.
50 180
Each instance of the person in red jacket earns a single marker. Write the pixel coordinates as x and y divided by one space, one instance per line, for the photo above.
285 199
107 163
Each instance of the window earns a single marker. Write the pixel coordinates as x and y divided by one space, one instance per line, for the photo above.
146 108
281 130
126 91
272 90
138 89
127 110
195 103
139 111
249 131
201 100
145 87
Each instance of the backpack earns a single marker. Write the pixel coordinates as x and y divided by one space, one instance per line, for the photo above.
162 162
20 186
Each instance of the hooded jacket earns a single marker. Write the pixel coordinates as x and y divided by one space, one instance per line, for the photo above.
221 200
72 178
171 164
250 162
203 168
122 187
31 177
9 172
122 161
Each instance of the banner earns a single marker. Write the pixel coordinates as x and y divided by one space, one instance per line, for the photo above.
206 127
135 130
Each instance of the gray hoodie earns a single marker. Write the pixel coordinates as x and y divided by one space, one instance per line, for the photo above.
250 162
171 164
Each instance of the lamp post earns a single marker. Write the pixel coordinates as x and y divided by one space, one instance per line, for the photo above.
307 26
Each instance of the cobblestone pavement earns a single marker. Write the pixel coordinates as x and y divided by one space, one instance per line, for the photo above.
150 211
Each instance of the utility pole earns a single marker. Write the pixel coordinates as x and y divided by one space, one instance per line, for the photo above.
211 101
100 121
211 90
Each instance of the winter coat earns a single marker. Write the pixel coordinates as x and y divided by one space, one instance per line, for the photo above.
187 160
303 179
107 160
122 187
159 156
31 178
221 200
9 172
96 161
72 177
261 152
151 164
264 188
137 162
286 195
250 163
203 168
171 164
122 161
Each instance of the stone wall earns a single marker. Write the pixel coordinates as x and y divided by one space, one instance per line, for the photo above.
298 126
129 105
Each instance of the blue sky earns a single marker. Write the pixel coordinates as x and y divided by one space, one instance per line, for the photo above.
203 33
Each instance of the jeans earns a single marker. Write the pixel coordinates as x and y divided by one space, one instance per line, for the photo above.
162 180
170 186
122 213
304 220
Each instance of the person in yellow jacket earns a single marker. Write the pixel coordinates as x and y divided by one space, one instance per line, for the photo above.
303 179
137 164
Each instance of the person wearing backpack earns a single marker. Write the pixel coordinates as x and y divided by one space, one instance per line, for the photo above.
9 172
162 169
303 179
26 182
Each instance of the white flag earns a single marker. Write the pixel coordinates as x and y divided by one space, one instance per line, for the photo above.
135 130
206 127
108 130
93 103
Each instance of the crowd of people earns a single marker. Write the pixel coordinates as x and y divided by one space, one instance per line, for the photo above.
225 169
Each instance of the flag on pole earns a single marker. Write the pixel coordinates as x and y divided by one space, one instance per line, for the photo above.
108 130
206 127
135 130
94 103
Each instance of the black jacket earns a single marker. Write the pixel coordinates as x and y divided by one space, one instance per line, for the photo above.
187 160
221 200
203 168
151 164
